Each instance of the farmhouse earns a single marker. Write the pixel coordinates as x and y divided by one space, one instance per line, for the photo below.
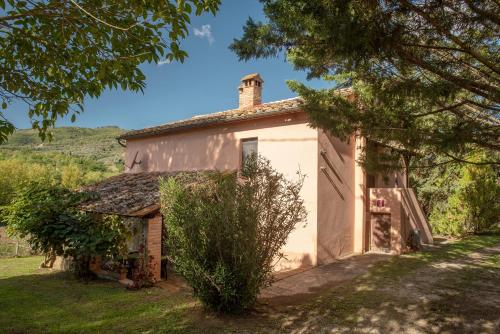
349 211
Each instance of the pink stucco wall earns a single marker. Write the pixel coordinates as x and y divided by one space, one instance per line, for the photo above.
360 198
336 197
405 213
334 190
392 206
286 140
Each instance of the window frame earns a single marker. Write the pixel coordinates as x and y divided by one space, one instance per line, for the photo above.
242 145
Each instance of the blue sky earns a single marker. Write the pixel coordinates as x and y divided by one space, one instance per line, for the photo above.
206 82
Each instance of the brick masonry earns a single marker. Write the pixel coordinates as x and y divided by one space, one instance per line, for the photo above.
154 245
250 92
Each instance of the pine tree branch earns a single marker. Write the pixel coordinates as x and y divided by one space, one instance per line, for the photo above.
489 15
449 35
478 88
482 163
454 106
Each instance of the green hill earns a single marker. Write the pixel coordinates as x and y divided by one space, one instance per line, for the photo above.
98 145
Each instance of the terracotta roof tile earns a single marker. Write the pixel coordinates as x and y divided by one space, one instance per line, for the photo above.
252 76
262 110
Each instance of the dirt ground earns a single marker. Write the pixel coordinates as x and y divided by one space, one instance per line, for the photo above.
453 288
457 294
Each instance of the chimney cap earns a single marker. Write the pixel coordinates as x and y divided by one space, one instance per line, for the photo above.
255 76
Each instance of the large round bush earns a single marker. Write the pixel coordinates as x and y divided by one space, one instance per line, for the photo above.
225 230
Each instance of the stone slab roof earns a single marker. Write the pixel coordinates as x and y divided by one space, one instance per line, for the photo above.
133 194
126 194
252 76
261 110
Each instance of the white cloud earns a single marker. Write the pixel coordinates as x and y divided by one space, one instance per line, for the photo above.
205 32
163 62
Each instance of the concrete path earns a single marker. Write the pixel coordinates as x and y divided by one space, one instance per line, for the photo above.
312 282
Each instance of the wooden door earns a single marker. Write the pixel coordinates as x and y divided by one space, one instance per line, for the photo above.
381 232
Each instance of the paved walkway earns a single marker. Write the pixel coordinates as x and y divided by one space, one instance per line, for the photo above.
314 281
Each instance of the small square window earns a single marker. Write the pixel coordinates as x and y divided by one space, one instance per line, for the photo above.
248 147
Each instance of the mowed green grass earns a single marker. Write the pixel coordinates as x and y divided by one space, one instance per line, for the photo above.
452 289
36 300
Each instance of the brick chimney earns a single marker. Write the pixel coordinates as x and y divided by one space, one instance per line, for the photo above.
250 90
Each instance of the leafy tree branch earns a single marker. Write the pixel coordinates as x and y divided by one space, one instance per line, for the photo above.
55 54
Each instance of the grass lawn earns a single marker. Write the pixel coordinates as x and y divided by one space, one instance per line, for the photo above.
453 289
39 301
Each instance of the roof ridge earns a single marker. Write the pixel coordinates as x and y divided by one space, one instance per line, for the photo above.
235 109
260 110
222 112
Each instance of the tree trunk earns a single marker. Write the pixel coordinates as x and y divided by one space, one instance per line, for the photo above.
48 261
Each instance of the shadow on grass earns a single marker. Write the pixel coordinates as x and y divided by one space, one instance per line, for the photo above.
452 289
58 303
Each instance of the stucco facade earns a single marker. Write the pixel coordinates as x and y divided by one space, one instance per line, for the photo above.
286 140
336 197
336 188
333 178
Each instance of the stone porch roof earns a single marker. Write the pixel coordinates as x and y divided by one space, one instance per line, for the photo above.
261 110
126 194
133 194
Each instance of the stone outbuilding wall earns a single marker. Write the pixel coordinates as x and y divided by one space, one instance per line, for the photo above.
145 242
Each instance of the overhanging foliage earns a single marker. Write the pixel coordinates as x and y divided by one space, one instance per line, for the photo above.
48 217
425 74
55 54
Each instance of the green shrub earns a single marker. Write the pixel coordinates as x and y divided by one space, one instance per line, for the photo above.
225 230
472 207
47 217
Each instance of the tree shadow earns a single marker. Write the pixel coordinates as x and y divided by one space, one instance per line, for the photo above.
455 290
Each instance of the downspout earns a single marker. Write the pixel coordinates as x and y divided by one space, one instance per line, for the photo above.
407 159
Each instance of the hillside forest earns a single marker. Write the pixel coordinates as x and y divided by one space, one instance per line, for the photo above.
75 157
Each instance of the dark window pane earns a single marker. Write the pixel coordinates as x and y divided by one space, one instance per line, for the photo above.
249 147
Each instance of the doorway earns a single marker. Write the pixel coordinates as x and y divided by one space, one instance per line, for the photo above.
380 232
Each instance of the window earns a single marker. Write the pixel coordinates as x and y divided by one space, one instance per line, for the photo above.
248 147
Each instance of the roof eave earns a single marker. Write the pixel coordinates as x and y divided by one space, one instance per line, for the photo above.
153 133
138 213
